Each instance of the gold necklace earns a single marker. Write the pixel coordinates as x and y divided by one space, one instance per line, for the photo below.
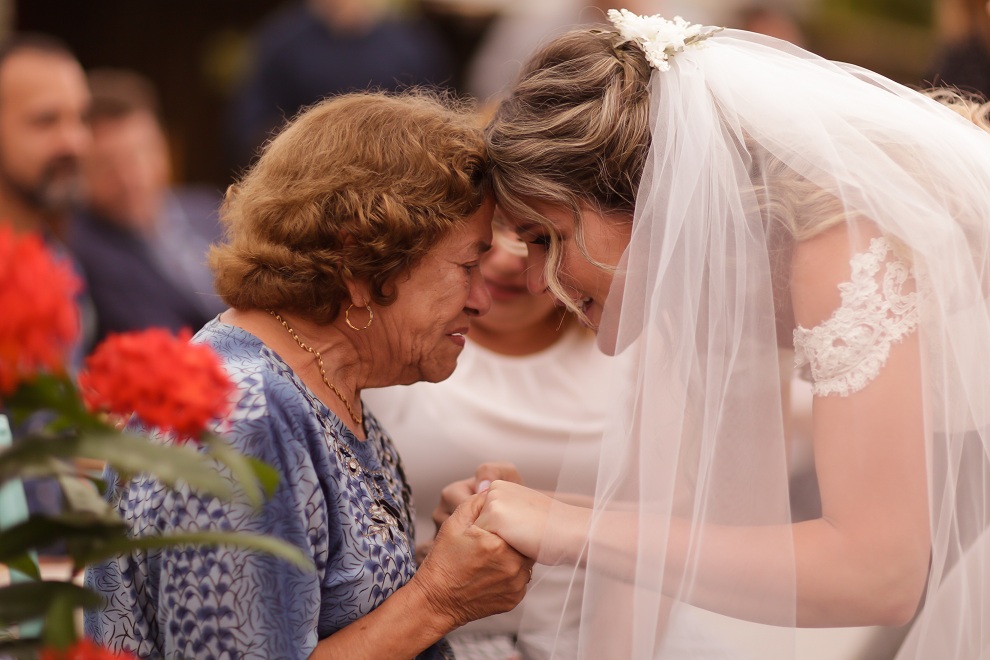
358 419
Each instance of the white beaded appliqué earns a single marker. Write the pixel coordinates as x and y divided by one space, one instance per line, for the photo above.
846 352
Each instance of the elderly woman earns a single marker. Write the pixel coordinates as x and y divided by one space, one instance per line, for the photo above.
351 261
528 390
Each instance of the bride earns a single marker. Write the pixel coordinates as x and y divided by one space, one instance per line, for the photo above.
703 197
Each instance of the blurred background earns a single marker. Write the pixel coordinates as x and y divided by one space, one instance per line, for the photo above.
207 57
185 91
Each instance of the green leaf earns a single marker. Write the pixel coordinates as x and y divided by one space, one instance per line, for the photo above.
125 452
20 649
90 539
268 544
82 496
266 475
250 473
79 531
57 394
36 456
24 601
25 564
44 467
171 464
60 623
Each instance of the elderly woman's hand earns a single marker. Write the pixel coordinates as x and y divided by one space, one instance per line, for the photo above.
472 573
455 494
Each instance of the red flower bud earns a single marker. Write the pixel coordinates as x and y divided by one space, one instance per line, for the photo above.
166 381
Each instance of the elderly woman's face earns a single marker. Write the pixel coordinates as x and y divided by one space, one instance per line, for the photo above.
435 303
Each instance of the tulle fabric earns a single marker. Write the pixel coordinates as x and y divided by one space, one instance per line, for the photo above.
696 435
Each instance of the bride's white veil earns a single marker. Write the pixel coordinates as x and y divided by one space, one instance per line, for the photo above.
748 133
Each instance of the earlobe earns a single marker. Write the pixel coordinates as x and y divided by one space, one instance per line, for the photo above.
359 294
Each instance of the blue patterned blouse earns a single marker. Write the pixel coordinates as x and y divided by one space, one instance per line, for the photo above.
343 501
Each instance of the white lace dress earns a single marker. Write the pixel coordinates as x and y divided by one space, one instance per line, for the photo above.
844 353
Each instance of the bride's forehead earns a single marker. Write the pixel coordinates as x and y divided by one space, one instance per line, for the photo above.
533 216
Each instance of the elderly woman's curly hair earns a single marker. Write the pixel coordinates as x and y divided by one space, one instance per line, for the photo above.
356 188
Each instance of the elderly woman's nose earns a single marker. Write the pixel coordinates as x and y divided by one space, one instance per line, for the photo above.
479 298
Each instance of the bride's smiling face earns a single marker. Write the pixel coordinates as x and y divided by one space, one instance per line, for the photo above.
585 285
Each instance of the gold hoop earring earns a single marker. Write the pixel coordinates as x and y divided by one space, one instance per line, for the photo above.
347 318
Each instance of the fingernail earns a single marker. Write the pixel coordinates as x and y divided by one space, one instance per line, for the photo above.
482 486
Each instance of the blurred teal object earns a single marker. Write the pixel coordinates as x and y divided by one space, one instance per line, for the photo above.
13 510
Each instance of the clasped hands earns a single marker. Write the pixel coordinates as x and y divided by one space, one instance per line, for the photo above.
517 514
491 529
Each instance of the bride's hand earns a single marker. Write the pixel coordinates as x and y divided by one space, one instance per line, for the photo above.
521 517
454 494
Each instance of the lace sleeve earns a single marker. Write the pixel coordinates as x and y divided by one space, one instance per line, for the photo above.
845 352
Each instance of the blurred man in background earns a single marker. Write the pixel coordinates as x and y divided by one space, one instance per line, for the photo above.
44 101
141 243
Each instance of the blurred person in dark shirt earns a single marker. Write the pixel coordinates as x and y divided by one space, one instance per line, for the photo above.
319 48
140 241
962 60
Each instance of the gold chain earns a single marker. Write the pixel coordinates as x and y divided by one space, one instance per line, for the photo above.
358 419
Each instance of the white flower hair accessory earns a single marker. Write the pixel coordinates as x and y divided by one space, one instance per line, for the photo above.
658 37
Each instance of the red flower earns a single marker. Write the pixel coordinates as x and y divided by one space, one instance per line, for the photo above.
166 381
39 320
83 649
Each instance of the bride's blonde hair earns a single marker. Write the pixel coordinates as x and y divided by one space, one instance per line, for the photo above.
575 131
